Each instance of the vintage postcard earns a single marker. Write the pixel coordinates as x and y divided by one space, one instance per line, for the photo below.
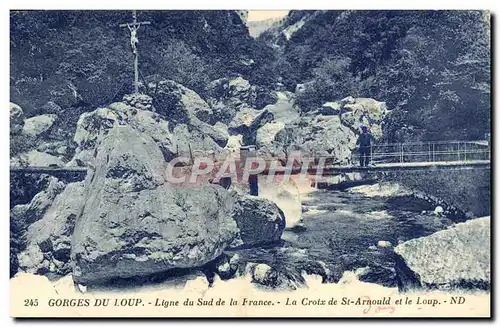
242 163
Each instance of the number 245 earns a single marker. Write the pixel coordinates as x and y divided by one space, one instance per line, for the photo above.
30 302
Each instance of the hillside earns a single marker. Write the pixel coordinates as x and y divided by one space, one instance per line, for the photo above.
431 67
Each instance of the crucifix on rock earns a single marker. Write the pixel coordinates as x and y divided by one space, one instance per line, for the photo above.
134 41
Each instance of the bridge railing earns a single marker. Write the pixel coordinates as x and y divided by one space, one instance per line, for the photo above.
438 151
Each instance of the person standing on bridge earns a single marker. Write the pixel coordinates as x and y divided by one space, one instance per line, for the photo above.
365 146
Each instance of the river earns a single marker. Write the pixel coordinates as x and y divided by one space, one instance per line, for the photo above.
343 229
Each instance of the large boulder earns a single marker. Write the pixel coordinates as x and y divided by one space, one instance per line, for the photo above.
459 257
38 125
16 119
135 224
259 220
176 101
190 139
220 136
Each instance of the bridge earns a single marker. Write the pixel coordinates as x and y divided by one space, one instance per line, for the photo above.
385 158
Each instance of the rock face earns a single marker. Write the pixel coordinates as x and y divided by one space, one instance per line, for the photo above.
22 215
458 257
35 126
32 261
16 119
259 220
135 224
232 93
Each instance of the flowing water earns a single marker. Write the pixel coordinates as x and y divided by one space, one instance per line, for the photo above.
343 230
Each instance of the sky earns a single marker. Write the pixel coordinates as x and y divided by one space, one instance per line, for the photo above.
254 15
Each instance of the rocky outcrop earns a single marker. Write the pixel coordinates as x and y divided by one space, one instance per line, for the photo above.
52 233
38 125
233 93
135 224
321 136
158 129
259 220
16 119
218 135
357 112
96 123
31 260
189 139
458 257
228 96
332 130
172 138
40 196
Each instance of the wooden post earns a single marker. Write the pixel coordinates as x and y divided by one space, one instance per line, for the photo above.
136 72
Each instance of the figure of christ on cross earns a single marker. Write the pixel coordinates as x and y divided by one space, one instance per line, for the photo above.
134 41
133 37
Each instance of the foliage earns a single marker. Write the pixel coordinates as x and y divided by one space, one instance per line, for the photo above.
431 67
21 143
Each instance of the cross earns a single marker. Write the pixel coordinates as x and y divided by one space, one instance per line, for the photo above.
133 27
